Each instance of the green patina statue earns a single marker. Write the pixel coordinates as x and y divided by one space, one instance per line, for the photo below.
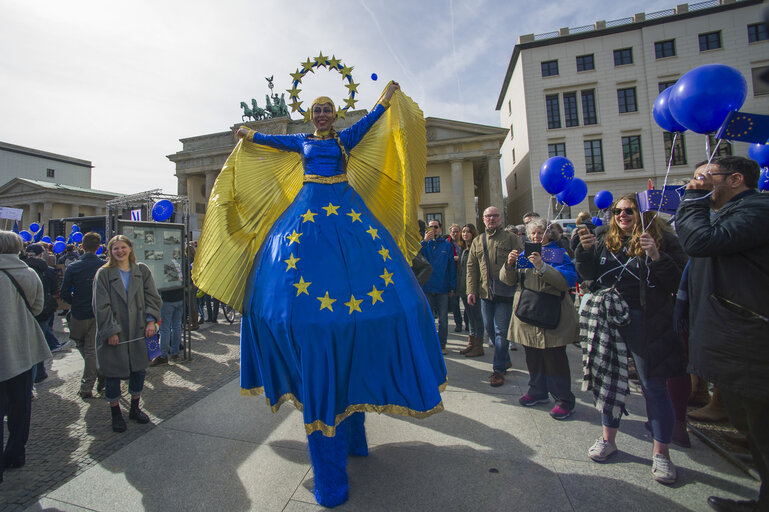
275 106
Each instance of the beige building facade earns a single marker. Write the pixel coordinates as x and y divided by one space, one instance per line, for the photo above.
587 93
463 166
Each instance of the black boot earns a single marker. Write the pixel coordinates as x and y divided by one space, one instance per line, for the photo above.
118 423
137 414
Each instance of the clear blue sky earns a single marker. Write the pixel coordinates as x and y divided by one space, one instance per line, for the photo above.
119 83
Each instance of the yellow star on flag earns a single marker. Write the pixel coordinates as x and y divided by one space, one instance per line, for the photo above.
294 237
301 287
354 304
297 75
325 302
333 62
388 277
355 215
373 232
291 262
331 210
308 216
345 71
321 59
385 253
376 295
307 66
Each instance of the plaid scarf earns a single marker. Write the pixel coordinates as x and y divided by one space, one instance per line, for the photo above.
604 353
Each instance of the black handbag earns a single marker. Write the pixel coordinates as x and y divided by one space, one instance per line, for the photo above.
540 309
498 291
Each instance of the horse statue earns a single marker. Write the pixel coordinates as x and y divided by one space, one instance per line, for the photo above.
258 112
247 112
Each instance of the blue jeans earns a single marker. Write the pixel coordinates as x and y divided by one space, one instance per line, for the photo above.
171 327
474 318
135 386
659 407
439 303
496 318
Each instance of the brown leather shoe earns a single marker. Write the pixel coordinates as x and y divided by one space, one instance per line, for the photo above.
497 379
477 349
469 346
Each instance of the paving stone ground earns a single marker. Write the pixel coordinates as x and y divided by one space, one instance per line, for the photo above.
69 434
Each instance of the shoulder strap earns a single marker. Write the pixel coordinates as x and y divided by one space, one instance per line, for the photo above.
18 289
486 257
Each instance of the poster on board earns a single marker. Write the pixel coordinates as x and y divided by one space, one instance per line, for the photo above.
159 246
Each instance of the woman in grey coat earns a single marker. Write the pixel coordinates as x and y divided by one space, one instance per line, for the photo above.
127 306
22 346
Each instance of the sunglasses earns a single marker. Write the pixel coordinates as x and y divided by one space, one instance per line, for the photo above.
618 211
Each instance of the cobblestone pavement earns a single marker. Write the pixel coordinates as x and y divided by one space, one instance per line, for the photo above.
69 434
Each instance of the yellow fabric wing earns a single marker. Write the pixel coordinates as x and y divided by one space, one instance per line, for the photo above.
258 183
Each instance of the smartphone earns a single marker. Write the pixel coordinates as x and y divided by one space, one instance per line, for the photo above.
531 247
584 226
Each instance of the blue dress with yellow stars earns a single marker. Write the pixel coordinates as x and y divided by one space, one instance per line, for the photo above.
334 319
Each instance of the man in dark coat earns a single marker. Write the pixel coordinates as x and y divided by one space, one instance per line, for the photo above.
729 299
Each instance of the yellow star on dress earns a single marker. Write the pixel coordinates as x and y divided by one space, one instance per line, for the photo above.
308 217
301 287
385 253
325 302
291 262
330 209
355 216
354 304
373 232
294 237
388 277
376 295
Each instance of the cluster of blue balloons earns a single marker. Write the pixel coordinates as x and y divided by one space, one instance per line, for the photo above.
701 99
557 177
760 153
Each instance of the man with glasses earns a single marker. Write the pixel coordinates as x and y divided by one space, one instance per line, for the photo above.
488 253
443 280
729 299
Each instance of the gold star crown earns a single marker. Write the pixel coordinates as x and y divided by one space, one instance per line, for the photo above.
333 64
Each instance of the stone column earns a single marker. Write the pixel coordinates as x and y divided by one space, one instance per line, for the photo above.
495 183
47 212
35 211
74 210
210 179
181 184
458 192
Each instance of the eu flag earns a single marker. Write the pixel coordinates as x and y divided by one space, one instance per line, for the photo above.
745 127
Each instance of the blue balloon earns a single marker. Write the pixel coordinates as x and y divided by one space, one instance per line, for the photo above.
61 238
703 97
25 235
596 221
46 239
556 174
34 227
603 199
662 115
75 228
100 249
59 246
162 210
759 153
763 180
374 77
77 237
574 194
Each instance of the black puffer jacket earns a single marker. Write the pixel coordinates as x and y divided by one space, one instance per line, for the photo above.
728 291
663 349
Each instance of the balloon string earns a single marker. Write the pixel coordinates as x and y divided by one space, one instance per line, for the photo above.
551 222
664 184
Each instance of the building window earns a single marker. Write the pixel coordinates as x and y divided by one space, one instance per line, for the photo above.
513 155
760 85
585 62
588 107
200 208
434 216
570 116
679 155
550 68
432 184
509 107
564 210
724 148
50 173
623 56
664 49
556 149
553 112
511 132
515 180
593 156
631 152
710 41
664 85
757 32
626 100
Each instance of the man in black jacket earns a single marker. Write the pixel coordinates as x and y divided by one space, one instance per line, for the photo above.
77 290
729 299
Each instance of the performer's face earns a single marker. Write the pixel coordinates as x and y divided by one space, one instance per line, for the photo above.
322 116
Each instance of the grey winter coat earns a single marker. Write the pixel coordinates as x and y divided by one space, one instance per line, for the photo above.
22 344
124 314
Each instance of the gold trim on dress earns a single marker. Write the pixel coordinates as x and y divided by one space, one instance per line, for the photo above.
329 430
326 180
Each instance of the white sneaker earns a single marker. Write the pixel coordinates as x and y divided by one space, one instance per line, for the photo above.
601 450
663 469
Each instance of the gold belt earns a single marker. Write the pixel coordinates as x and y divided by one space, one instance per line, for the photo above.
326 180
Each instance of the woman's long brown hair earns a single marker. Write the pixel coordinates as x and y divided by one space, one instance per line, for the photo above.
615 236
